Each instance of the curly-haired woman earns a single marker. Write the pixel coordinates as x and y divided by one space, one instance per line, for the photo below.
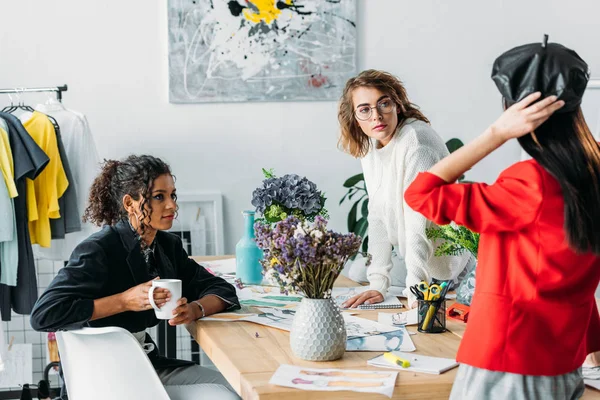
394 141
107 278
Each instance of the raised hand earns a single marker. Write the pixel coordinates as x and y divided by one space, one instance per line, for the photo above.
524 117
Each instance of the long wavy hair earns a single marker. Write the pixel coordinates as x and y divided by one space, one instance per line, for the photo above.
352 139
134 176
565 147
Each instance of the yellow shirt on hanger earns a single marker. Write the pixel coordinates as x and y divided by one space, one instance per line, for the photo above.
49 186
6 164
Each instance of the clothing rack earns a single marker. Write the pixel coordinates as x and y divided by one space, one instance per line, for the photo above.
57 89
32 388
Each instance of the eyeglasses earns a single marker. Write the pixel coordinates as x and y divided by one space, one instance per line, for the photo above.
363 113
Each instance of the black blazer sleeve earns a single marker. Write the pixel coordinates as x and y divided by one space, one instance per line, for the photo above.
68 303
198 282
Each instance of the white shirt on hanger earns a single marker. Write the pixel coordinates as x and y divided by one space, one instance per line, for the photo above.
84 162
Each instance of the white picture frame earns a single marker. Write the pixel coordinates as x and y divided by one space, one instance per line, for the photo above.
211 206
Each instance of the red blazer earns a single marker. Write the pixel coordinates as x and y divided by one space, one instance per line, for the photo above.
533 312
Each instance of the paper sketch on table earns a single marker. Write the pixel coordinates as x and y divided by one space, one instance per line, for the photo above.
334 379
361 327
266 296
282 318
409 317
390 341
341 294
418 363
231 316
261 303
18 366
273 317
224 268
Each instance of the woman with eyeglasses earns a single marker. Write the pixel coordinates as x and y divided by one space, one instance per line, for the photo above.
395 142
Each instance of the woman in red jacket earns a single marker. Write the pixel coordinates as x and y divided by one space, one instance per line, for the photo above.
533 317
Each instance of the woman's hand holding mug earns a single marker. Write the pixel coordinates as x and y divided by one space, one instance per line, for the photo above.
173 286
136 298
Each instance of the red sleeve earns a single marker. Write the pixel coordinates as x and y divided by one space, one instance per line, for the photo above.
511 203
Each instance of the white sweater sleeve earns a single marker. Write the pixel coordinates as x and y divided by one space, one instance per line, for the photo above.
418 248
380 249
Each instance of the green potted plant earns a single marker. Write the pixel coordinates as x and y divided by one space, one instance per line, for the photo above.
456 240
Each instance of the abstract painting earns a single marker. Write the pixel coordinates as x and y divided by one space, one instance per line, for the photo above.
260 50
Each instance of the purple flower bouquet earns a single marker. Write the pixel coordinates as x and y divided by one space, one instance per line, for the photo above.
302 256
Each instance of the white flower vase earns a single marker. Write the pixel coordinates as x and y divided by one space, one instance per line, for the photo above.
318 331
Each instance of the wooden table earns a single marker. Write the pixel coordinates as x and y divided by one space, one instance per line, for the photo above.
248 362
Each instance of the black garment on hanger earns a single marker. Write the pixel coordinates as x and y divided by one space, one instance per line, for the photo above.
29 161
70 215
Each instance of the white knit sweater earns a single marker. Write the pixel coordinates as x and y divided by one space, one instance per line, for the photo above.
388 172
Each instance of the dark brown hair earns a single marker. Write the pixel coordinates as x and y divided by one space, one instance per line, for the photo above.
565 147
133 176
352 139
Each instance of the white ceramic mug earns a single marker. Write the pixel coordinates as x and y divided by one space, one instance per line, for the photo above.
174 286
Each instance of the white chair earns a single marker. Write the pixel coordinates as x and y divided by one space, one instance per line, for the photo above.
109 363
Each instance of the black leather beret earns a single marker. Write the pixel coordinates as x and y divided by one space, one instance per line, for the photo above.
549 68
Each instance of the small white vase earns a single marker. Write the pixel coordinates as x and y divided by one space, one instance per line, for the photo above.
318 332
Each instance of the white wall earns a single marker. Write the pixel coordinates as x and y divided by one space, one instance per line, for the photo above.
113 55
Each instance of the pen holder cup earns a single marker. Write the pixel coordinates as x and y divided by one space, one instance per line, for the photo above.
431 316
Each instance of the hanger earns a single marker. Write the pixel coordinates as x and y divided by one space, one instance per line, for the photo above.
12 107
53 104
23 106
55 123
20 104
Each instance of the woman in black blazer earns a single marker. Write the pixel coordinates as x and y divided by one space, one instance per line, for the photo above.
107 278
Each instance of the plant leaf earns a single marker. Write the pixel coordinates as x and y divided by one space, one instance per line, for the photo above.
352 195
454 144
361 227
365 208
365 245
352 217
344 198
353 180
268 173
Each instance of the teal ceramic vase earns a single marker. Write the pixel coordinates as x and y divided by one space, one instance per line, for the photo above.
247 254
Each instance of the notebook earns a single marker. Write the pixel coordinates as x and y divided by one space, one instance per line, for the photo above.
418 363
379 306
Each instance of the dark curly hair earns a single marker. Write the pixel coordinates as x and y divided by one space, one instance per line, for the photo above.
134 176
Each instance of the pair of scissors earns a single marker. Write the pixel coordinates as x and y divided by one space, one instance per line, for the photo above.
429 292
418 294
